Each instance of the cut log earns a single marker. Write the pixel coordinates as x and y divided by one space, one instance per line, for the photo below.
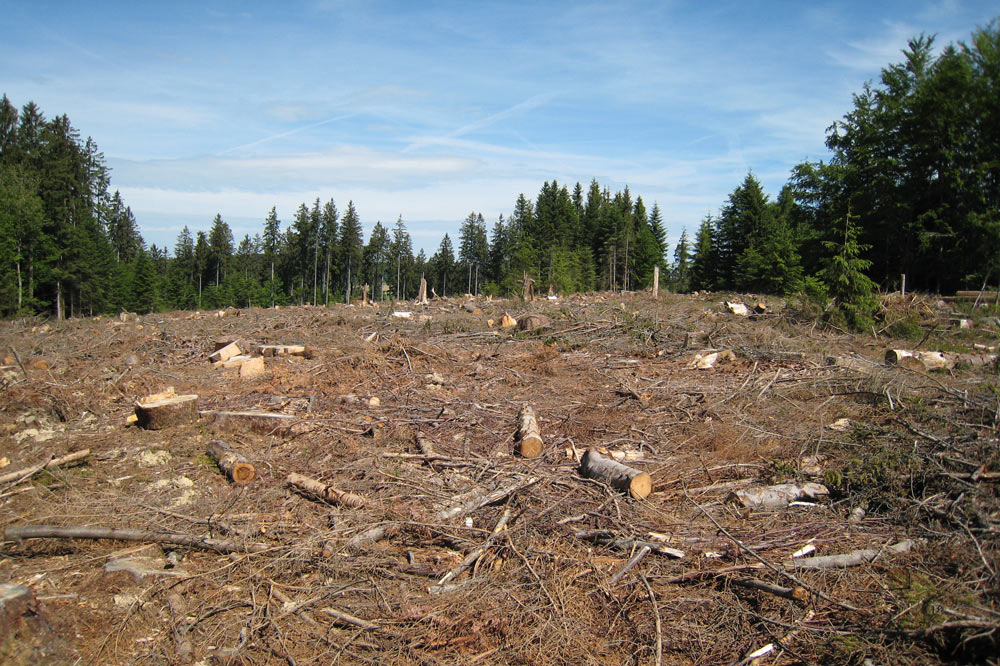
283 350
324 491
921 361
168 412
533 322
507 321
266 423
529 440
251 368
738 309
620 477
233 465
778 496
223 354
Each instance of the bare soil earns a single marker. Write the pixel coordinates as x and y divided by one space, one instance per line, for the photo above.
310 582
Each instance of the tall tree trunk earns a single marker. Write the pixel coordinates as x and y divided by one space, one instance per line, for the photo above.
59 304
272 284
347 290
19 287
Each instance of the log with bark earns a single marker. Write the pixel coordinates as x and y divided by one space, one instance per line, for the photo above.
324 491
237 468
267 423
620 477
921 361
529 440
18 532
778 496
168 412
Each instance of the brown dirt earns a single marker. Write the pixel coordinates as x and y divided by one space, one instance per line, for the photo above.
609 371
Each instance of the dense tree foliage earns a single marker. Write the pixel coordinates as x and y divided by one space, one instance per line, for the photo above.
912 186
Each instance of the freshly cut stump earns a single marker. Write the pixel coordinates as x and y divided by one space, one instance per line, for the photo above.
529 440
168 412
622 478
236 467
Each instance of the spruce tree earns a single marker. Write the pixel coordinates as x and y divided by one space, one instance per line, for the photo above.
845 275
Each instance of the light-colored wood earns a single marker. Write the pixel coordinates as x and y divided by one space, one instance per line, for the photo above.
168 412
251 368
921 361
422 293
620 477
51 464
852 559
324 491
223 354
235 466
656 282
282 350
529 440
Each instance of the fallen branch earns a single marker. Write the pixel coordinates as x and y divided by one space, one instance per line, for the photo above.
777 590
324 491
19 532
643 552
462 509
473 556
853 559
52 463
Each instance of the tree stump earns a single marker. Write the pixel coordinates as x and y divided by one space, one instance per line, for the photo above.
620 477
237 468
529 440
167 412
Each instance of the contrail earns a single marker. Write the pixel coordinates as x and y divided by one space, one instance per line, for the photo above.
288 133
530 103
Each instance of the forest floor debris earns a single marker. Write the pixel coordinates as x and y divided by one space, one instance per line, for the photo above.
391 518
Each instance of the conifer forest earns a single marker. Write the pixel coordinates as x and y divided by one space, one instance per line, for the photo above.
911 186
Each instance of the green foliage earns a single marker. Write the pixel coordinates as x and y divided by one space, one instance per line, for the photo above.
852 290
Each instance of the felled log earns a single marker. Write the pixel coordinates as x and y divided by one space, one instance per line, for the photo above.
17 532
607 538
533 322
168 412
284 350
51 464
324 491
529 440
262 422
921 361
778 496
852 559
223 354
738 309
233 465
620 477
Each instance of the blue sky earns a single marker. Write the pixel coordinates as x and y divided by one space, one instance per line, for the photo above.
431 110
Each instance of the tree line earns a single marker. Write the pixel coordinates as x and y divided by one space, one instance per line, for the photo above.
912 187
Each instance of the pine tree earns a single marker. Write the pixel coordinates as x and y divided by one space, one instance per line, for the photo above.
704 264
681 269
401 252
220 249
659 233
845 275
350 247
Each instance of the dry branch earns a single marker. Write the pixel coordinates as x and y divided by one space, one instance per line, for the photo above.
852 559
605 537
620 477
237 468
324 491
51 464
18 532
